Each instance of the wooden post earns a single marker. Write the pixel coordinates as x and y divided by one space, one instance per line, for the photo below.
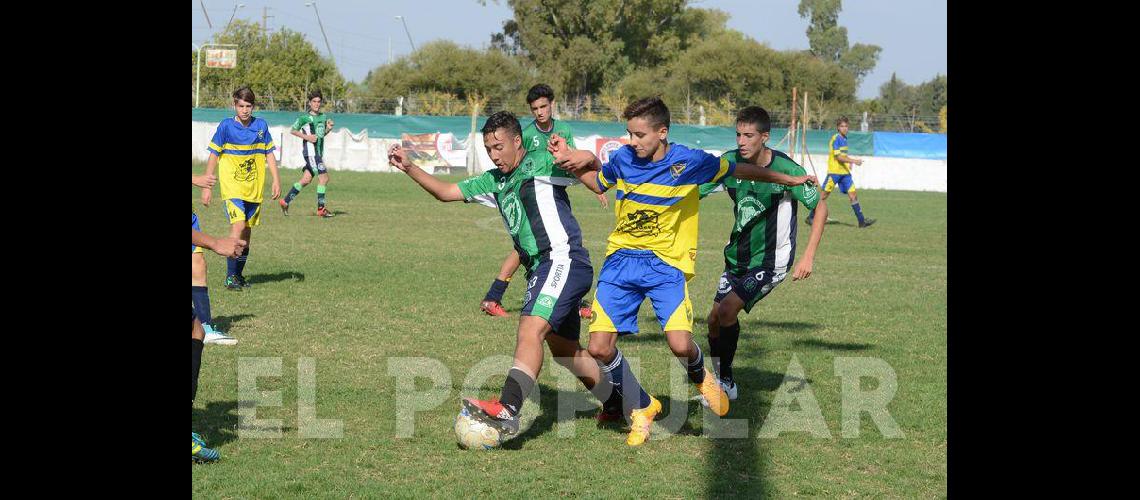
792 126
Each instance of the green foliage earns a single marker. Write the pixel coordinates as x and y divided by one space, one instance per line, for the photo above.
280 68
828 40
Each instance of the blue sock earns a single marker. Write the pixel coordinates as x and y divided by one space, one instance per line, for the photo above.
293 192
239 265
858 212
498 288
201 299
633 396
696 367
231 266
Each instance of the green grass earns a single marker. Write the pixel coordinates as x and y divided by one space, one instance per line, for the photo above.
398 274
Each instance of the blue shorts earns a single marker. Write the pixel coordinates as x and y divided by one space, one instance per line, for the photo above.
554 292
842 180
751 287
314 165
241 210
627 278
194 224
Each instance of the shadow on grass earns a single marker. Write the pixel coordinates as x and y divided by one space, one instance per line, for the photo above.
270 278
224 323
544 423
216 423
836 346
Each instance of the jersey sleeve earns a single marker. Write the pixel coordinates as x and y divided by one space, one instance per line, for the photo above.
704 168
610 172
218 140
269 146
710 188
479 189
804 193
300 122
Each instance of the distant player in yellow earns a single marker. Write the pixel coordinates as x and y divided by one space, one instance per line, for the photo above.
839 172
242 147
652 249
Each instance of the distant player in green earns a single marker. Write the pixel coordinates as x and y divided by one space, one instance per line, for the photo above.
762 246
530 193
535 136
312 127
839 171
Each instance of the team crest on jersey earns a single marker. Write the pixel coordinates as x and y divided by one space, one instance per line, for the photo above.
245 171
676 169
640 224
512 212
748 208
260 134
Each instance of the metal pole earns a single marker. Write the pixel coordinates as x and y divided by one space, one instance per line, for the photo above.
327 46
405 22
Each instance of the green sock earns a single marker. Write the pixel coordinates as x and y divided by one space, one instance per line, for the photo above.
320 196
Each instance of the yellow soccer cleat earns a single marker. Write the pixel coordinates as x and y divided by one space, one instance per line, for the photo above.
714 394
639 430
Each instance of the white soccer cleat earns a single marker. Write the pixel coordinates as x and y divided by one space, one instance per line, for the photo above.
215 337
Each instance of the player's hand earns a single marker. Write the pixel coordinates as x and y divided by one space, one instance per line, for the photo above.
205 181
398 158
229 247
558 148
858 161
276 190
605 202
803 270
312 138
328 125
801 179
206 195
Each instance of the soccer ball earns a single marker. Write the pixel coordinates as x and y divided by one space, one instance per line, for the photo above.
471 434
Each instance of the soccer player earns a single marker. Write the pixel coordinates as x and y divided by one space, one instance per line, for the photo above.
242 147
531 196
762 245
227 247
535 136
311 127
652 249
839 172
198 289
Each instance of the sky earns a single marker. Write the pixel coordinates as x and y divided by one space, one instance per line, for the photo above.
912 33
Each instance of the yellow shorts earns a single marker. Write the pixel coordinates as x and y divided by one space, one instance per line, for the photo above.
241 210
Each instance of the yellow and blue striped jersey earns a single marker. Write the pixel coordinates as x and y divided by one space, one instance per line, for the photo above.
836 146
657 202
241 154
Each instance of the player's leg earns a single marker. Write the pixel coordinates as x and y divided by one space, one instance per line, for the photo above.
615 306
200 294
199 451
669 293
235 215
246 234
306 177
863 221
322 186
828 185
493 302
728 313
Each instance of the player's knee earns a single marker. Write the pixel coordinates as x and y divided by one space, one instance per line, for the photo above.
601 352
680 345
726 315
714 316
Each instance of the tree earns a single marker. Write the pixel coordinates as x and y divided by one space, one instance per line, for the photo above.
828 40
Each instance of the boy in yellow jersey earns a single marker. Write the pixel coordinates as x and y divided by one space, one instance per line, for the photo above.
653 247
242 147
839 172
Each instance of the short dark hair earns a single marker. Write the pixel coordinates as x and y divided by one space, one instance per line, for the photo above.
539 91
756 116
842 119
653 109
505 120
244 93
314 94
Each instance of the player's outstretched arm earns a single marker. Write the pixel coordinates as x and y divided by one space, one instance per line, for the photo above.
304 137
226 247
203 181
572 160
750 172
805 263
849 160
443 191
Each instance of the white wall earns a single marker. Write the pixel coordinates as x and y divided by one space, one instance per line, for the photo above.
344 151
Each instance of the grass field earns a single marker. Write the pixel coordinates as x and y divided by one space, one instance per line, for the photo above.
397 274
